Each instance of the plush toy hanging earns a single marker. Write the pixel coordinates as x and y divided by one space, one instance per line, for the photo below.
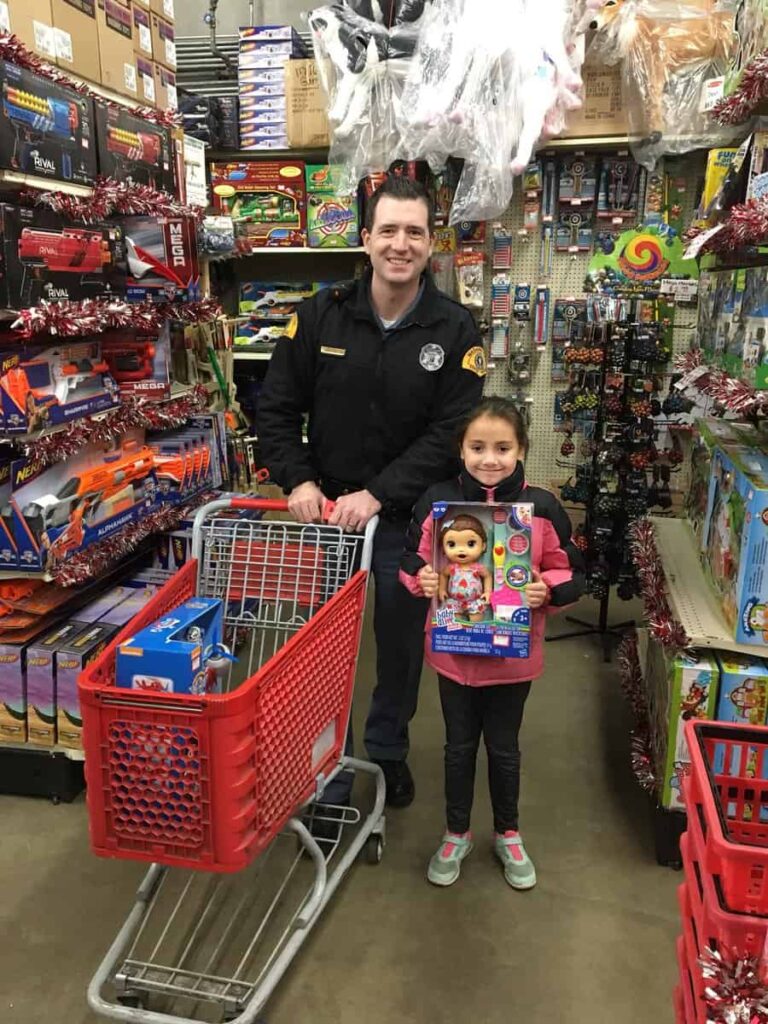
669 50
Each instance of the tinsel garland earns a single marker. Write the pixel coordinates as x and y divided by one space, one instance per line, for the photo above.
640 738
97 558
751 90
732 394
746 224
134 411
113 197
735 991
92 316
13 50
650 573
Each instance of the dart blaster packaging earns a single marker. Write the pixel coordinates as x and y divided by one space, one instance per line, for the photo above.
134 150
161 253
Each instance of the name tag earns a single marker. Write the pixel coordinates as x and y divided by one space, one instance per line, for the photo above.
326 350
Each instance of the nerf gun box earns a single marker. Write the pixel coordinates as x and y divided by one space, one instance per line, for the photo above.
13 693
483 555
331 217
139 363
170 656
42 387
743 690
44 258
57 510
162 258
71 658
45 129
41 683
133 149
267 199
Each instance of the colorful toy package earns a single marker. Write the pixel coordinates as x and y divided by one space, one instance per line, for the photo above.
331 217
483 555
267 199
735 540
743 690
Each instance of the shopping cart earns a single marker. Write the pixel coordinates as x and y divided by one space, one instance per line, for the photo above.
217 783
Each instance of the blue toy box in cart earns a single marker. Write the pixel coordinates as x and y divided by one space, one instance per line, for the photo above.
170 656
482 553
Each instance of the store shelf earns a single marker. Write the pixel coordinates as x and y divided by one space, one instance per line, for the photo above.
33 748
690 596
276 250
231 156
18 180
265 354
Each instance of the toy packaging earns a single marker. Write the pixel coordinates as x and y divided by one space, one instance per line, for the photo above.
331 217
170 656
754 320
71 658
757 184
13 693
133 149
46 258
274 300
679 688
46 129
743 690
718 164
268 199
574 232
43 387
162 258
483 555
735 545
578 180
618 189
140 364
41 683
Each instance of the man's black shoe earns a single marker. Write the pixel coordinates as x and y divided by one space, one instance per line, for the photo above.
400 787
325 824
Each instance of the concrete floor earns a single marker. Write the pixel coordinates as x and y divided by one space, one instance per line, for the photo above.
592 944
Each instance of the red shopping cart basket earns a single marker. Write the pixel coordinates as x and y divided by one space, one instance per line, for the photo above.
727 790
208 781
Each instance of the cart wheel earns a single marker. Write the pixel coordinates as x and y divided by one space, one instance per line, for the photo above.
55 799
374 849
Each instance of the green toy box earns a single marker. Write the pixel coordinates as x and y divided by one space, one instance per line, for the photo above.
332 218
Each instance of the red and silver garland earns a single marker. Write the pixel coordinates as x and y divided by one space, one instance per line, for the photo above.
650 572
13 50
735 991
135 411
751 90
92 316
640 738
96 559
730 393
114 197
746 224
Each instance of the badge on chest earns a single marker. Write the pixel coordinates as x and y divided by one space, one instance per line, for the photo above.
431 357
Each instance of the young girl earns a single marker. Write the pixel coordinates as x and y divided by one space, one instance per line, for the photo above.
486 695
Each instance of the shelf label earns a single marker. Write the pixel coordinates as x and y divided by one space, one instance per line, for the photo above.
681 291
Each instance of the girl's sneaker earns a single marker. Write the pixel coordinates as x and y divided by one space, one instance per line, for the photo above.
445 866
518 866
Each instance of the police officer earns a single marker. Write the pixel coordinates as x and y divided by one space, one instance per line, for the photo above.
385 368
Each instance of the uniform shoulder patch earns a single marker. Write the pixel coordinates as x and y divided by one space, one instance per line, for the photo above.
292 326
474 361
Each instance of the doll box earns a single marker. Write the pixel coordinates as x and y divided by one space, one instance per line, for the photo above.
483 555
735 540
743 690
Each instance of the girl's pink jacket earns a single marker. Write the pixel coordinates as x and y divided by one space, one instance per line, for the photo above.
554 556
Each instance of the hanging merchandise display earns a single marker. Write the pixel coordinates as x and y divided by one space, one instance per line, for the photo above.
669 51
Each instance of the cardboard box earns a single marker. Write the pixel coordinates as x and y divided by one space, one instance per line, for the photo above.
163 41
265 34
32 22
114 21
678 688
268 196
139 363
41 683
145 72
77 37
307 119
332 219
735 540
13 693
43 256
743 690
165 88
133 149
45 129
165 8
162 258
71 658
142 31
603 112
483 555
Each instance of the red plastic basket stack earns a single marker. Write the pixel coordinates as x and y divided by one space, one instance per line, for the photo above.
724 898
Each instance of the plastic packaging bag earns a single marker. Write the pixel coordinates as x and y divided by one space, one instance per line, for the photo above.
669 50
363 50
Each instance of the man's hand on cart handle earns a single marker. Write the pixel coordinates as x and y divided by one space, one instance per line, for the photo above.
306 503
353 512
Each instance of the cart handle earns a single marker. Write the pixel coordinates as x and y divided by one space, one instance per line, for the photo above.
275 505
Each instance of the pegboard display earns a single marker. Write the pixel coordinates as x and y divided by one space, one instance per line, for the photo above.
565 279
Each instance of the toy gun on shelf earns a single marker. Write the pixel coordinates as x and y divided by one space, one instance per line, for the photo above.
35 117
67 375
69 251
130 360
136 147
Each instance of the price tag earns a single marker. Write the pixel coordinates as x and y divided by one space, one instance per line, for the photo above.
617 221
64 46
148 85
573 248
711 93
129 78
576 202
697 244
682 291
145 39
170 51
